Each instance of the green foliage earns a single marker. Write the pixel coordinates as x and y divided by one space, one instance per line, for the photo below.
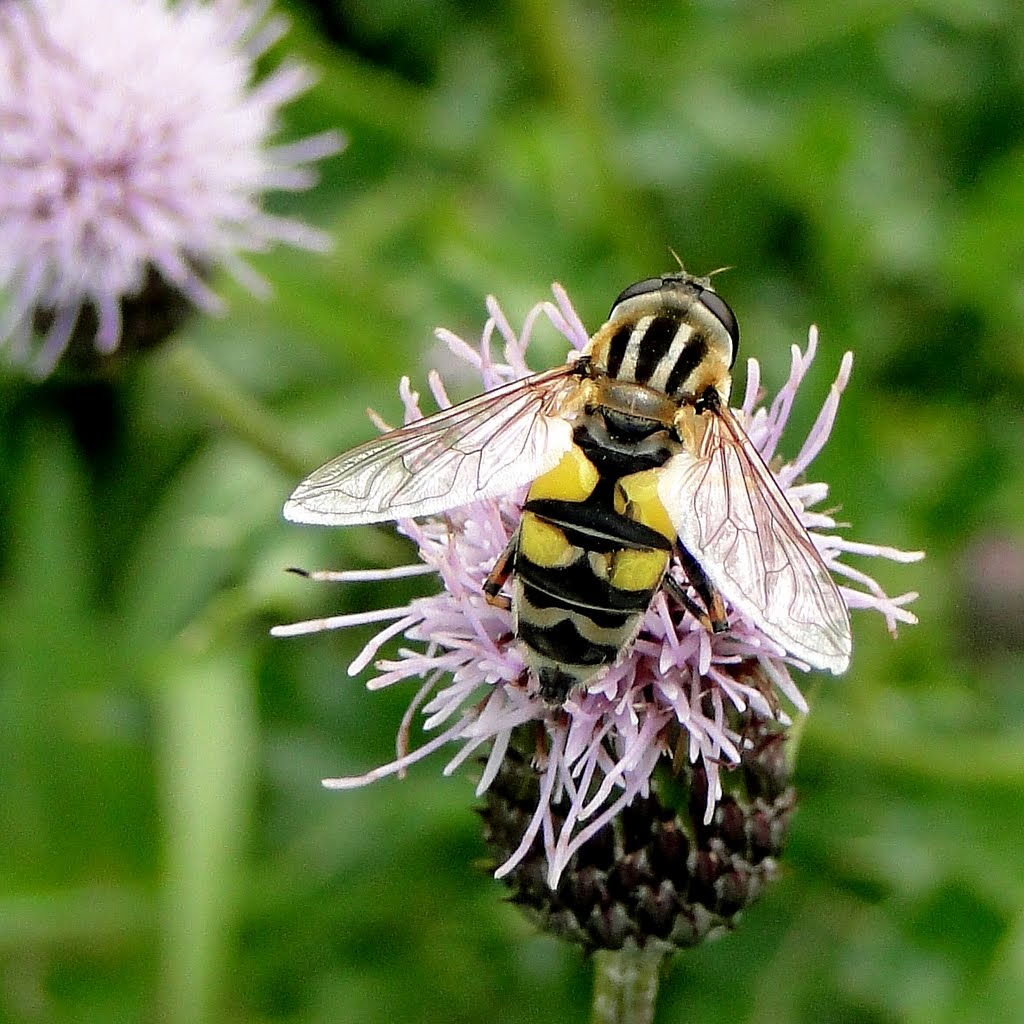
167 851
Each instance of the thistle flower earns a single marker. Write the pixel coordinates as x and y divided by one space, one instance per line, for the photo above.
134 150
586 803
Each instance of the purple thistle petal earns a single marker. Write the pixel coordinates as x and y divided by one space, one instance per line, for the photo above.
567 321
822 428
340 622
547 785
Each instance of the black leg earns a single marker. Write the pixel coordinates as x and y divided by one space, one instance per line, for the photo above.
499 574
714 618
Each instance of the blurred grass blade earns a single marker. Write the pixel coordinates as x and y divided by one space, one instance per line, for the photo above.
206 722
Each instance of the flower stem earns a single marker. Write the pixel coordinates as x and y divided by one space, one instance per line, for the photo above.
224 402
626 984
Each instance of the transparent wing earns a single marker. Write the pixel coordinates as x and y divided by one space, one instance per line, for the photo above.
733 518
478 449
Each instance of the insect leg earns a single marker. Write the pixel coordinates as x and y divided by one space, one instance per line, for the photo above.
683 598
499 574
715 618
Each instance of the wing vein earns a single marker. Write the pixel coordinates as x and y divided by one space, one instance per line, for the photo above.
752 546
478 449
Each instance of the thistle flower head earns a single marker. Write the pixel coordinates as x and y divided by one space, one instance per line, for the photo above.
679 696
134 151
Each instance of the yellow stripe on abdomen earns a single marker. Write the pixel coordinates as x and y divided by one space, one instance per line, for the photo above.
544 544
637 570
573 479
636 497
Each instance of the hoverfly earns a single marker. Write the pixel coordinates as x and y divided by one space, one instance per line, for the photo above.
635 462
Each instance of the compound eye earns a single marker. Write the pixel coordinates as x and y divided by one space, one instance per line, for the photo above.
720 308
650 284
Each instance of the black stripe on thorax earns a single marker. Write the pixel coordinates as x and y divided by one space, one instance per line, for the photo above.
617 348
654 346
694 351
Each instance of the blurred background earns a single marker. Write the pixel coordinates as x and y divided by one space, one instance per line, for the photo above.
167 851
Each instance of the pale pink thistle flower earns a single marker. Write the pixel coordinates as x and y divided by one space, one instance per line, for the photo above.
135 149
678 692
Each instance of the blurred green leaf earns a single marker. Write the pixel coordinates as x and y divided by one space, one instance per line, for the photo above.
206 736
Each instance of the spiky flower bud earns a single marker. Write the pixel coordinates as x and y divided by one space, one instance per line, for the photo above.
659 872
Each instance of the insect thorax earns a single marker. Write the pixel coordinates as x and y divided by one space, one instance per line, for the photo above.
668 341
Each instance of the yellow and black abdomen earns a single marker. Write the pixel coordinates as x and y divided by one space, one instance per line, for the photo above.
592 549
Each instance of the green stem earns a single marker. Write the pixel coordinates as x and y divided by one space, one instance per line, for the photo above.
240 413
626 984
